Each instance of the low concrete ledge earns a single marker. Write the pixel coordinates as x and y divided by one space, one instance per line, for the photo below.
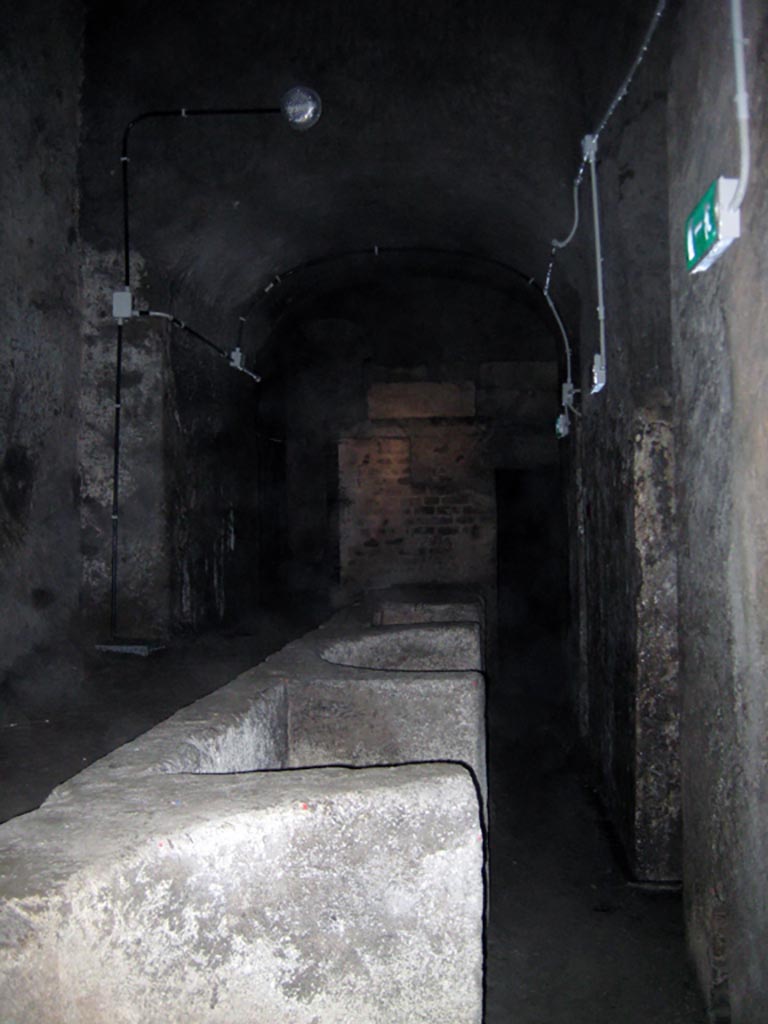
327 895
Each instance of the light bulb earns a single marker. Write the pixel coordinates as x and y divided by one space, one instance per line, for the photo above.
301 107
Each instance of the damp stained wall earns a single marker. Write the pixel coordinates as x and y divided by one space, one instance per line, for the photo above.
719 329
622 506
40 81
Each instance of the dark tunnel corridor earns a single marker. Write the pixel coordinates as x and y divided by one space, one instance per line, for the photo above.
382 512
570 937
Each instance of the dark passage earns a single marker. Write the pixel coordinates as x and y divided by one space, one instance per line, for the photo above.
570 939
532 556
431 397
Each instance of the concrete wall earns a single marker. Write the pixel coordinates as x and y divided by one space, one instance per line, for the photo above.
720 319
40 79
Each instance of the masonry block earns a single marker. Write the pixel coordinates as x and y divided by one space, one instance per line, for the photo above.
420 399
329 895
190 876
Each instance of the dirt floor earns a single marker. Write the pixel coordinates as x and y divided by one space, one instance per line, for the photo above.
570 939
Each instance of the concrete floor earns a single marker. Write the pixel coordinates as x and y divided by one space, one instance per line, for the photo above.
569 939
105 700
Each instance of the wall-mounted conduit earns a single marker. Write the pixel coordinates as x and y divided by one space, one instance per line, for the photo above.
589 154
741 100
301 107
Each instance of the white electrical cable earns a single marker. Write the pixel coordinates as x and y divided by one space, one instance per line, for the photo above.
622 92
742 103
558 320
600 369
589 151
561 243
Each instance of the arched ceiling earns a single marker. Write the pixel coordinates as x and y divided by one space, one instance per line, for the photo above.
452 124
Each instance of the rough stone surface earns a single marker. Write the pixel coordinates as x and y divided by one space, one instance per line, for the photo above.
390 721
40 301
450 647
186 874
623 510
420 400
719 321
297 709
143 557
393 612
406 230
656 842
317 895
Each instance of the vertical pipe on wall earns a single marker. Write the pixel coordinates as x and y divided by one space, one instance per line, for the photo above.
742 102
116 483
599 366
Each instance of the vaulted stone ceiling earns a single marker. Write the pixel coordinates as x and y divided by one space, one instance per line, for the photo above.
449 125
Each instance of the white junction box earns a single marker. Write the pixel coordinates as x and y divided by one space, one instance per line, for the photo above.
122 304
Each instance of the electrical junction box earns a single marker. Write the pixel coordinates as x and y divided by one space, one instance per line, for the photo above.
122 304
711 226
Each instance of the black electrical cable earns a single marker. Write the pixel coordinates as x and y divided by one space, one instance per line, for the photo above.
116 485
175 322
277 279
182 112
395 250
385 250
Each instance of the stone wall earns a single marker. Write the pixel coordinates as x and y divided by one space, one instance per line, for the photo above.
720 323
189 461
142 568
40 79
213 486
623 510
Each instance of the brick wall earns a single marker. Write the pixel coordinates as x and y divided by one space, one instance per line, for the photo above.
416 509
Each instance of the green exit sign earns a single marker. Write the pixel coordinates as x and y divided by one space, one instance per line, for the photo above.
711 226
